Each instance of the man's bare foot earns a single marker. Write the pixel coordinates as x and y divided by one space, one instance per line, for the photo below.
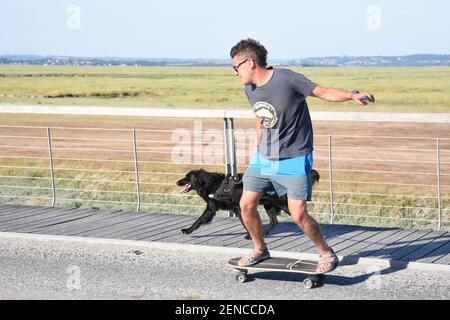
255 257
327 262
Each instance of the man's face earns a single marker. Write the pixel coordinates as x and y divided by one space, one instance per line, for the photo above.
242 66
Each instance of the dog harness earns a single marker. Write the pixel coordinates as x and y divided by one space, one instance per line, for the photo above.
224 191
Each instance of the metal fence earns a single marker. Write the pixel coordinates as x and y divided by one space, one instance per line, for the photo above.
381 180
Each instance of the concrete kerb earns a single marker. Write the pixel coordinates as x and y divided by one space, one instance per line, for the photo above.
135 245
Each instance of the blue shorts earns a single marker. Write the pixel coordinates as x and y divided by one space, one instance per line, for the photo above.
291 176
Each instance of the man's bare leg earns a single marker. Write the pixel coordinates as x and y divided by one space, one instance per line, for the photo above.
299 214
252 220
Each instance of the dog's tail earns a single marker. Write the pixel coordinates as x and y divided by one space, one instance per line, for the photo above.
315 176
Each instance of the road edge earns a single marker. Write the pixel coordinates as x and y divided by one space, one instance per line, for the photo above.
344 260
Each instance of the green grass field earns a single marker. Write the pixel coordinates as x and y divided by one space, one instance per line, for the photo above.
396 89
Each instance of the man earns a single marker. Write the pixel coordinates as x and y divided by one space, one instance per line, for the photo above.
283 160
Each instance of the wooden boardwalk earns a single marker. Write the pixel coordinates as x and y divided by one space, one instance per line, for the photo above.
425 246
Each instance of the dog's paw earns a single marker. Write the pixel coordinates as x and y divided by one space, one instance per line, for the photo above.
186 231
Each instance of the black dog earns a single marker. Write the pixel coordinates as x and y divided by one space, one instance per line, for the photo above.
206 183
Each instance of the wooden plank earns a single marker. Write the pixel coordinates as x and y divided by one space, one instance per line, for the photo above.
160 234
82 224
284 235
117 223
124 227
28 212
368 251
378 237
204 231
69 217
227 232
18 209
149 227
7 206
444 260
25 213
236 231
367 233
36 217
152 234
310 247
407 245
437 254
230 235
299 237
331 235
47 215
6 210
237 239
295 234
151 230
281 230
427 249
168 222
416 245
389 250
292 230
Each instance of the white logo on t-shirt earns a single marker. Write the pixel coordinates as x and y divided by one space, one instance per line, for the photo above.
267 112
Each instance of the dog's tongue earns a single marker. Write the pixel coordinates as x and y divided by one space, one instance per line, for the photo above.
185 188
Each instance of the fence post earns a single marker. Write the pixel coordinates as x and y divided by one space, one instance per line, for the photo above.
438 175
330 171
136 167
52 174
230 148
230 151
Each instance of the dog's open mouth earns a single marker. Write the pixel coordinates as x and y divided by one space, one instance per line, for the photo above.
186 188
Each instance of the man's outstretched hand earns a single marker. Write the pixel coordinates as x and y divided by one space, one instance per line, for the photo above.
337 95
363 98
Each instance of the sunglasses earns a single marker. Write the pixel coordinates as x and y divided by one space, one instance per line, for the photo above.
236 67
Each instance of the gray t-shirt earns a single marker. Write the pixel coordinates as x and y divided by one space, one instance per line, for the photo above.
286 129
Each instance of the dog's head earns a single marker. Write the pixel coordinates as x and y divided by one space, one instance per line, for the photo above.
192 180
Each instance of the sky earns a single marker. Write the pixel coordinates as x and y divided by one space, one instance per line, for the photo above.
209 28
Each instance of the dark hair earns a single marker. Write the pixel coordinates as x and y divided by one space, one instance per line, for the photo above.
253 49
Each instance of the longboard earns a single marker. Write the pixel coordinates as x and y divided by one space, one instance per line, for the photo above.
282 265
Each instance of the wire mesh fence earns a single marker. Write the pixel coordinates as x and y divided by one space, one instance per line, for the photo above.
372 180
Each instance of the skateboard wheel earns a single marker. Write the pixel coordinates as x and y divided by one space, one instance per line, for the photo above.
308 283
241 277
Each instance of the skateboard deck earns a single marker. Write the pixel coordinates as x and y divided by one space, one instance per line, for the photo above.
307 267
280 264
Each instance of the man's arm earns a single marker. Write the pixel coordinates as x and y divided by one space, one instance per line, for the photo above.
258 130
338 95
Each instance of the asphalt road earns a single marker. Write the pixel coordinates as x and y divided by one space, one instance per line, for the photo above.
31 269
